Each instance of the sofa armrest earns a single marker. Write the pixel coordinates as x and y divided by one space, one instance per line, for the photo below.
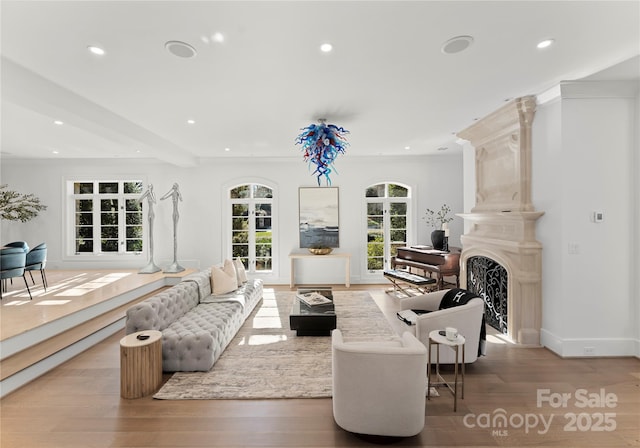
142 316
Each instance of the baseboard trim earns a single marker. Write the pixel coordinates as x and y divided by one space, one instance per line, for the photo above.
590 347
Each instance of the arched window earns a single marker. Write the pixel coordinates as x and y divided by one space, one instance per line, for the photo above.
251 226
388 218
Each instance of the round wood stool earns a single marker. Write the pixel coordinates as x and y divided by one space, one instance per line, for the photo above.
140 363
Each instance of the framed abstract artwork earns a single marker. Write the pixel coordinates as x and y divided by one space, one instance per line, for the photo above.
319 215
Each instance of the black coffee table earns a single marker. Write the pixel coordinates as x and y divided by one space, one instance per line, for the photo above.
317 320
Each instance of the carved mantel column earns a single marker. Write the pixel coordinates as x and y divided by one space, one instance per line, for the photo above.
503 219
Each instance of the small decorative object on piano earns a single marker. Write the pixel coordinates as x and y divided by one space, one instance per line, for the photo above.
313 298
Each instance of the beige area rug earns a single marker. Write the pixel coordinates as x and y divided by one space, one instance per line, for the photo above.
267 360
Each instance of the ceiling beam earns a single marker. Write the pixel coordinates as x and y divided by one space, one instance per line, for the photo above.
29 90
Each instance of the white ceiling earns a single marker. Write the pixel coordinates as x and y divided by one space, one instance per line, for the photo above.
386 80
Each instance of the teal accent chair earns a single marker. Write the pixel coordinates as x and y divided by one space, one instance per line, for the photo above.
21 244
36 261
12 264
18 244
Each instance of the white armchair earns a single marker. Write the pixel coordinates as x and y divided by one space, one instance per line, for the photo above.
379 387
466 318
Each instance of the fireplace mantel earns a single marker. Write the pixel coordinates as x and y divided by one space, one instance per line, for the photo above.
503 220
510 226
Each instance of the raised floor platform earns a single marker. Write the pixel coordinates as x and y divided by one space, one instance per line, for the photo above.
78 310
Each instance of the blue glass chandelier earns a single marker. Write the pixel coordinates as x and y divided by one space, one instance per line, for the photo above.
321 145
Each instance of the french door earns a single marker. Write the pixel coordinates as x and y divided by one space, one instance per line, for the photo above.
387 223
251 226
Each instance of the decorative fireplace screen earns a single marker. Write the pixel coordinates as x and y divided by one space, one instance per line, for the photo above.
488 279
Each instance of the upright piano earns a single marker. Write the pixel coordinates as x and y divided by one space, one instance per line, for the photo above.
429 260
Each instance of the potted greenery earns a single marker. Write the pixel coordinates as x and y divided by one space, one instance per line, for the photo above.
437 221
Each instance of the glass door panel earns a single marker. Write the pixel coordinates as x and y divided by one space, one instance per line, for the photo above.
109 223
397 227
263 236
375 235
240 231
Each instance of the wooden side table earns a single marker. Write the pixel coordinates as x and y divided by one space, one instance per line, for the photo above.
140 364
457 345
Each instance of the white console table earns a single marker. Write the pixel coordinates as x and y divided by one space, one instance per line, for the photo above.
332 256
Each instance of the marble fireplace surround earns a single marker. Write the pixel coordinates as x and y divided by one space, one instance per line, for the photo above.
502 224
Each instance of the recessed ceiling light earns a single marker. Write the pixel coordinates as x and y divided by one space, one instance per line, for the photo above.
191 121
180 49
227 149
456 44
55 151
96 50
545 43
215 38
58 122
407 147
326 48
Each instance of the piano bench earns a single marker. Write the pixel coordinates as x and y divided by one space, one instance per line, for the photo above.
409 284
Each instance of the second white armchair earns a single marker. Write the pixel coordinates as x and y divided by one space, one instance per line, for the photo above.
467 319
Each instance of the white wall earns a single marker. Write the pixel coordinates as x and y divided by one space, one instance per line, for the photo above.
548 172
584 149
586 157
635 236
434 179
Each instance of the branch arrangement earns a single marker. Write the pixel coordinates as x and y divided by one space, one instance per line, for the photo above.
437 219
15 206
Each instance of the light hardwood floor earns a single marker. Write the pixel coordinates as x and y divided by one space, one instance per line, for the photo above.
78 404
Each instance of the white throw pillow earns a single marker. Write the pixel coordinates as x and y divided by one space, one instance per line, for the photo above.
240 271
224 280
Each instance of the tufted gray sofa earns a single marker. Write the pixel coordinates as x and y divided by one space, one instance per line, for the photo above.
196 326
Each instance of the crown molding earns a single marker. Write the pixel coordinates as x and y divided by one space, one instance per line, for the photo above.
599 89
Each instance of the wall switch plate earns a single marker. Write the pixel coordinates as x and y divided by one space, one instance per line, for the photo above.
598 216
